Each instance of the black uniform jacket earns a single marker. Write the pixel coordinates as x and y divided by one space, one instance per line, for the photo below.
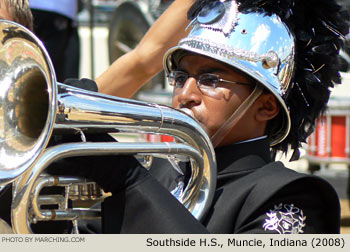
253 195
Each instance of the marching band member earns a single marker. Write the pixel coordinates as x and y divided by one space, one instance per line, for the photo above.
256 74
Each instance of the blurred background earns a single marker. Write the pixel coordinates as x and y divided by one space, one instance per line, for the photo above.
109 28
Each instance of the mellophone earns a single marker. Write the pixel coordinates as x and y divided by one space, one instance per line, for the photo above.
34 107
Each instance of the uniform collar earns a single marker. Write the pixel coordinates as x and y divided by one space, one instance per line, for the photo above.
258 147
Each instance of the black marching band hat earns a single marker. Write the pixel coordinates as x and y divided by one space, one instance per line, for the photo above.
291 47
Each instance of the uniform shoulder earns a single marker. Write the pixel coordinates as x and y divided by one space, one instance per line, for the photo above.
278 172
276 184
274 177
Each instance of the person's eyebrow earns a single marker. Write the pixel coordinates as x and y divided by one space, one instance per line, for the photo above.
216 70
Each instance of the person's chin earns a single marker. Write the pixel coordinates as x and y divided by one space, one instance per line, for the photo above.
208 131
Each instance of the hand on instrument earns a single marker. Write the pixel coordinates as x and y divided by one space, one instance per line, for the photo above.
83 83
113 173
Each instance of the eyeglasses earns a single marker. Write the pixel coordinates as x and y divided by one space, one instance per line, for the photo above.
204 81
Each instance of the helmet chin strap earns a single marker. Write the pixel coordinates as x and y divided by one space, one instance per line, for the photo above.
236 116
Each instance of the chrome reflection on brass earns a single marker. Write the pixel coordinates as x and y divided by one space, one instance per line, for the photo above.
26 87
26 184
86 190
34 106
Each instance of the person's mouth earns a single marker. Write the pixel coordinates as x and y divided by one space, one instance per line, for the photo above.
192 114
188 112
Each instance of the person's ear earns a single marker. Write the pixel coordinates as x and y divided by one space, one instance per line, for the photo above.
268 107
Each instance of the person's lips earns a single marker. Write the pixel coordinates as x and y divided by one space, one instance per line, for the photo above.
188 112
192 114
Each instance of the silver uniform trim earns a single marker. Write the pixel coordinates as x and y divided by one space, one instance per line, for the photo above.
223 50
227 23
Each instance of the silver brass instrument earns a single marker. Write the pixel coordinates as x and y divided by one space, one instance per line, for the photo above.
33 106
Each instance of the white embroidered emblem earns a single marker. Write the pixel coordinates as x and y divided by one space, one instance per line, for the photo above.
285 219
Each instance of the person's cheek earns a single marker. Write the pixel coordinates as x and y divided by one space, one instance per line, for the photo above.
175 103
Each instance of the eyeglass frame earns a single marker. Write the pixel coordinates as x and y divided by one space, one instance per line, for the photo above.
198 79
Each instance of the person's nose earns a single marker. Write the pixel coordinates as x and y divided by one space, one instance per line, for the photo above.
189 93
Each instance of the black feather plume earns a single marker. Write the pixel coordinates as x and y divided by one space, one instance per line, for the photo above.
196 7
